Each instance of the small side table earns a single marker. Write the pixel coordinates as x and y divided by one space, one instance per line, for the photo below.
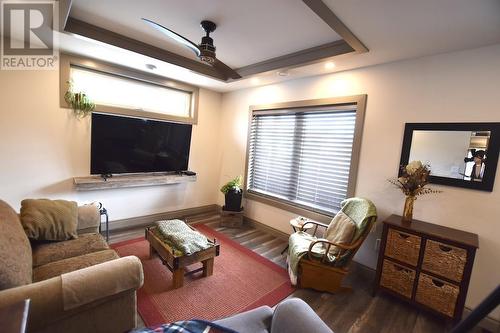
104 212
298 226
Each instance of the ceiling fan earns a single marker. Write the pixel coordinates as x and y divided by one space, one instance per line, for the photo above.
205 50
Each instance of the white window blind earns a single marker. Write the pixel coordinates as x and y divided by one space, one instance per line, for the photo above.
111 90
302 156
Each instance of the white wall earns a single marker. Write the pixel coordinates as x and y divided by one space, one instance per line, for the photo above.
455 87
43 146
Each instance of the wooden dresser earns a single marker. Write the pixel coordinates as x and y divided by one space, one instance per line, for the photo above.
426 264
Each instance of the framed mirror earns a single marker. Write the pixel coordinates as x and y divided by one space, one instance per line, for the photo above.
459 154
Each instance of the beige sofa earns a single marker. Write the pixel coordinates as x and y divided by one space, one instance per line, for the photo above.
79 285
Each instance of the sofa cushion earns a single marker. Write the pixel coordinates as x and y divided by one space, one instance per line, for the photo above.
47 252
253 321
72 264
296 316
54 220
15 250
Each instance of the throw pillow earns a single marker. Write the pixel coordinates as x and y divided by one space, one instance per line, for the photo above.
52 220
15 250
340 231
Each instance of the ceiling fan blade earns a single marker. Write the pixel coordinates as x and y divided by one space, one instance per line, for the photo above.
175 36
226 70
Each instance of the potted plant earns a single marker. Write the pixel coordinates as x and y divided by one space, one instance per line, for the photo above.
233 194
81 104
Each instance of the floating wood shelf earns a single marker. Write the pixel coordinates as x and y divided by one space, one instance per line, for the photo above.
120 181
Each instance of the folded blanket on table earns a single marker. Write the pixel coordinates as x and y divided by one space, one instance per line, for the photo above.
187 326
181 237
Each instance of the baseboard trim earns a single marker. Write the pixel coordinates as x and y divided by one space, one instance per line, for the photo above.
190 215
259 225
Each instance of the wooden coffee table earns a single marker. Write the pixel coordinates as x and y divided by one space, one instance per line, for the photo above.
177 264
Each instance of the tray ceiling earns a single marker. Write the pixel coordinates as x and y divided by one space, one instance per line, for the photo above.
247 32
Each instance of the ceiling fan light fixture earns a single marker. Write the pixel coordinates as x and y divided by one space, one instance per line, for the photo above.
207 49
207 56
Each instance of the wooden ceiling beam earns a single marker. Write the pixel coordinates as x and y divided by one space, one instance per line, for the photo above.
329 17
109 37
303 57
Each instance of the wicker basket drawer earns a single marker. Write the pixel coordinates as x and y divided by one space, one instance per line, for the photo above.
397 278
437 294
403 246
445 260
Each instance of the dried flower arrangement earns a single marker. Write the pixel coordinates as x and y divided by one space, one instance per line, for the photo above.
414 177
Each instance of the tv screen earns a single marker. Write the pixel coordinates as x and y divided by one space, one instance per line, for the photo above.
132 145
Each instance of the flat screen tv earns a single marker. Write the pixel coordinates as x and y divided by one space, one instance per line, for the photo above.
132 145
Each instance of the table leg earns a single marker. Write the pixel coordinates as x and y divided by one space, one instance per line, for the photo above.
208 267
178 278
151 251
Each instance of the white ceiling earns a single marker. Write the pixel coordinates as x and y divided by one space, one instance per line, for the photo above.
247 31
391 29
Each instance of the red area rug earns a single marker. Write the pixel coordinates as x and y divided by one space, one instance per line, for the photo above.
242 280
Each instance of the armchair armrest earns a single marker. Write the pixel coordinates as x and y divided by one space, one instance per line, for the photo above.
329 244
316 225
63 296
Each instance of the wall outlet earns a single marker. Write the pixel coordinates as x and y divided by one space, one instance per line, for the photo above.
377 244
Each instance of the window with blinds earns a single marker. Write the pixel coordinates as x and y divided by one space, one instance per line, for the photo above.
302 156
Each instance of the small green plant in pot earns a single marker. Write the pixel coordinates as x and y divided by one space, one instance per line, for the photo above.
233 194
81 104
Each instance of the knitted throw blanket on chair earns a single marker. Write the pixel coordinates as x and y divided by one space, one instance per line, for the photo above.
181 237
361 211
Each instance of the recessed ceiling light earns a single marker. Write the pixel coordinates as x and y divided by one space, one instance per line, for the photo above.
329 65
150 67
255 80
283 73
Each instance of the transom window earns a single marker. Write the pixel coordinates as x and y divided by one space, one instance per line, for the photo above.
125 91
303 156
116 91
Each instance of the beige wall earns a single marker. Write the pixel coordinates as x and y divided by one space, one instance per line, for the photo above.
445 88
43 146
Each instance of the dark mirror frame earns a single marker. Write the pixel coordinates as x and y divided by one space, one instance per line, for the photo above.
493 151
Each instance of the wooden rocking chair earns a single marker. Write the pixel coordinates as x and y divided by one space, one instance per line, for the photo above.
318 272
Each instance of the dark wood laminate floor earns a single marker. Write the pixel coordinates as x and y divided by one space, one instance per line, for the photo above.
348 312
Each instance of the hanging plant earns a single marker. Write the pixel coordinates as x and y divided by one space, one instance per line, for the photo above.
81 104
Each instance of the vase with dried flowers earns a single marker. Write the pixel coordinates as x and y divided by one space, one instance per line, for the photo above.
414 177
